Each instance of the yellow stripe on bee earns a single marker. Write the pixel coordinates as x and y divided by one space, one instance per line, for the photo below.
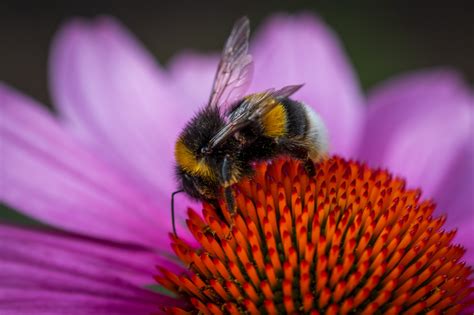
274 123
187 160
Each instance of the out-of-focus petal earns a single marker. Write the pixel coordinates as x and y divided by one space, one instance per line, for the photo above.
302 49
192 74
455 192
464 236
21 302
58 273
455 196
113 94
78 256
49 176
420 127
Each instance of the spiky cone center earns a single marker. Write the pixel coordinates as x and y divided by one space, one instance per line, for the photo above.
348 240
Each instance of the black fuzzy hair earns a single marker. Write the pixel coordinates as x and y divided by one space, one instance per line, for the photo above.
201 128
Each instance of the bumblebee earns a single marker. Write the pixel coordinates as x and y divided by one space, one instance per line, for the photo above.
219 145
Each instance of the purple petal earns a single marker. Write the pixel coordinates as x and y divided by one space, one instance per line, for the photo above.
454 193
57 273
455 197
113 95
49 176
193 74
420 127
464 236
302 49
26 301
94 257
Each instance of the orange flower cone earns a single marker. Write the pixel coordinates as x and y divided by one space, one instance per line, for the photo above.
349 240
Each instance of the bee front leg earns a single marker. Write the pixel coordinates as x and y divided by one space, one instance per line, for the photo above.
309 167
230 200
226 173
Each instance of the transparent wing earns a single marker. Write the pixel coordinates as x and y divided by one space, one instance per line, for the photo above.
252 109
287 91
235 68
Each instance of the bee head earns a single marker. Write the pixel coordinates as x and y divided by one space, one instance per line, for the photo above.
191 151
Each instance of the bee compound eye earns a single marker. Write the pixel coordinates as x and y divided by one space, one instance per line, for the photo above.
205 150
239 137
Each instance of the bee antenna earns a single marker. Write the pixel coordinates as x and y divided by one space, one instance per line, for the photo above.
172 210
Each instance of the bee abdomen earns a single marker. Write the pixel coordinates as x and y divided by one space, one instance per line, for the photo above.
304 123
297 123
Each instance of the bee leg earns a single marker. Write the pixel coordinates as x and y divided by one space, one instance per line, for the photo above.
230 202
226 178
229 199
218 210
301 153
309 167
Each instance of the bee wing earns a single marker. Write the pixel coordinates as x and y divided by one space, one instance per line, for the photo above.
256 107
235 68
286 91
252 109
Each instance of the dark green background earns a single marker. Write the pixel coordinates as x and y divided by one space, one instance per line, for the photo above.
381 38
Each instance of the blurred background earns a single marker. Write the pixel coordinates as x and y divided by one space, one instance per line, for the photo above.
381 39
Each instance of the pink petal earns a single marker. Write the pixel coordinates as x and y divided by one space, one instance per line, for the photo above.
113 95
302 49
94 257
420 127
58 273
464 236
26 301
454 194
49 176
192 74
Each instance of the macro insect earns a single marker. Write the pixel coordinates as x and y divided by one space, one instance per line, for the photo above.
219 145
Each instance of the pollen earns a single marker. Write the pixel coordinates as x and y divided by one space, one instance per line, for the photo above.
348 240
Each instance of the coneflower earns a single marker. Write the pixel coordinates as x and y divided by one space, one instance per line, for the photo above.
349 240
100 173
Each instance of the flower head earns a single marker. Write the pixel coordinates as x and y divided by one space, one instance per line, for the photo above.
349 240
